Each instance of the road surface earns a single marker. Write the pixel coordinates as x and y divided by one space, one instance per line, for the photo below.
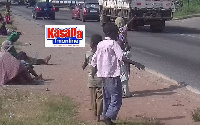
174 53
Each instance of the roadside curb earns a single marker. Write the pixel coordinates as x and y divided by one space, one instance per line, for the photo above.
188 87
186 17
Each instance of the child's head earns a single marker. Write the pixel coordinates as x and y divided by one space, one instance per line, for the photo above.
95 39
111 30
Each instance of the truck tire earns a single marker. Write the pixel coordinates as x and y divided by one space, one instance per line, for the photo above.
157 26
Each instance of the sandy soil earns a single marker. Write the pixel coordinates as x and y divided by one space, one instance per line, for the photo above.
154 96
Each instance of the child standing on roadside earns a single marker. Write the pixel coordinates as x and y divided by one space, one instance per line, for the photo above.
107 59
125 72
94 83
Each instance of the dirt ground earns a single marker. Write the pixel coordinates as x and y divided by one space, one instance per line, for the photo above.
154 97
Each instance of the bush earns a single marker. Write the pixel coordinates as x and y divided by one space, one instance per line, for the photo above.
192 8
196 115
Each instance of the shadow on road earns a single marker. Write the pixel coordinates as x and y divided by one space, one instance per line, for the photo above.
164 91
171 118
170 30
181 30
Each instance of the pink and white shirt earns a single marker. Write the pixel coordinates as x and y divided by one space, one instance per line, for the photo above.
107 58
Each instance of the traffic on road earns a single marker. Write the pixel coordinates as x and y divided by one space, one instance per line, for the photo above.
163 52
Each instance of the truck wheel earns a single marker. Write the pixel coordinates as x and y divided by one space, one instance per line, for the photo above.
157 26
53 17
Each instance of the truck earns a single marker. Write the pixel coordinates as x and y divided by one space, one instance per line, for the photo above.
63 2
138 12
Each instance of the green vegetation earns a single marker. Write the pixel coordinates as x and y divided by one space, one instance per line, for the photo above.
26 108
2 39
196 115
191 9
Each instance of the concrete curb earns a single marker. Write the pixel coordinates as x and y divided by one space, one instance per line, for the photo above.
186 17
188 87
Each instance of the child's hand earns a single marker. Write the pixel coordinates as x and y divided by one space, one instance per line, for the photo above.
139 66
83 66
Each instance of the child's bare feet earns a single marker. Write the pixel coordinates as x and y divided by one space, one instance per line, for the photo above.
47 59
39 77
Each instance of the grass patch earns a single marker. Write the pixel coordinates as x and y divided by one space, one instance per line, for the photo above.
26 108
142 121
192 8
196 115
2 39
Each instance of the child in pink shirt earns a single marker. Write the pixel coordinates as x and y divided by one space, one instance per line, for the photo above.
107 59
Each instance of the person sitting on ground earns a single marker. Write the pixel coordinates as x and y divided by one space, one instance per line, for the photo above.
32 61
22 56
94 82
14 36
12 69
3 30
7 17
1 17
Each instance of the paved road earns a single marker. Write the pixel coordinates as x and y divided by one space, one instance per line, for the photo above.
174 53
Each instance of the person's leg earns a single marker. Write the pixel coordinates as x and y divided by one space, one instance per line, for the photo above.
114 87
106 98
125 89
99 102
26 76
47 59
93 99
35 61
32 71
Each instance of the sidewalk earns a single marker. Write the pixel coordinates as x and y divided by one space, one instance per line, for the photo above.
154 97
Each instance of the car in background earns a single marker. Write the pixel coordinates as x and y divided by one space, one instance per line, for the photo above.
41 10
90 11
76 10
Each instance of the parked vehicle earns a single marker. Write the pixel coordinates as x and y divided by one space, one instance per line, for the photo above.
90 11
41 10
144 12
76 11
30 3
